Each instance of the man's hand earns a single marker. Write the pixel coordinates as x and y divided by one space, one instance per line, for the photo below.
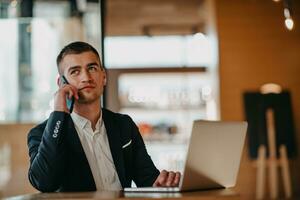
64 91
167 179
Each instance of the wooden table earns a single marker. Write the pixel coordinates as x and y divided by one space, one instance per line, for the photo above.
202 195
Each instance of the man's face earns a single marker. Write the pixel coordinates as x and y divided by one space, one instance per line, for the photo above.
84 71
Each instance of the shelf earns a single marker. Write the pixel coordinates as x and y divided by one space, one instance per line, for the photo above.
177 138
147 109
157 70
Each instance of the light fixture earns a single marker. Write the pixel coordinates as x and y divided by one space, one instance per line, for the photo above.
289 22
199 35
14 3
270 88
172 29
288 15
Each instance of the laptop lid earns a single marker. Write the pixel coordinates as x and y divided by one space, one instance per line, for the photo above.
214 155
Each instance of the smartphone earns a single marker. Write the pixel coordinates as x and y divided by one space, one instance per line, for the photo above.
70 102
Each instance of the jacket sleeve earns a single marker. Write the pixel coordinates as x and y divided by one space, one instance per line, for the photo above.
47 152
144 172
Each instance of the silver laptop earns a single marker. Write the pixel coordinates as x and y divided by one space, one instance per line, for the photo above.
213 157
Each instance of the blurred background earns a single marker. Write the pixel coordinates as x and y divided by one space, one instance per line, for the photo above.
168 62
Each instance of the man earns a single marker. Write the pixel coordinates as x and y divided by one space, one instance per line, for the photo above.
91 148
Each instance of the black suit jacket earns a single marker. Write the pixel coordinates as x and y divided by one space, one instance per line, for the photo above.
58 161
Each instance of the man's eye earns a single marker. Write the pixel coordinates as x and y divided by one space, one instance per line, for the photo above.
93 68
74 72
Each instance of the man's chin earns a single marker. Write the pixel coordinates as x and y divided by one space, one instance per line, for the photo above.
88 99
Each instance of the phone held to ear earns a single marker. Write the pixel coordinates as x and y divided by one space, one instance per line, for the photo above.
70 102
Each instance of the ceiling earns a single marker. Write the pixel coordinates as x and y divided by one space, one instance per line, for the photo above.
154 17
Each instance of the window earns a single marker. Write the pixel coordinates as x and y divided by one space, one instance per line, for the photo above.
158 51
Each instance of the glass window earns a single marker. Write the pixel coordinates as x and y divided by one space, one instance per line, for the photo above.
8 70
28 50
158 51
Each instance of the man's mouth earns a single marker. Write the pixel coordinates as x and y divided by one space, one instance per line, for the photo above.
86 87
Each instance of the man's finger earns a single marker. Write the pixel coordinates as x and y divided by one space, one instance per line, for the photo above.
70 94
70 91
161 179
75 91
170 179
176 179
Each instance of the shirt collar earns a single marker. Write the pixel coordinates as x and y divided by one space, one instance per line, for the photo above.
83 122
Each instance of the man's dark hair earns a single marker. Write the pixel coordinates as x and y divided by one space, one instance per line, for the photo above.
75 48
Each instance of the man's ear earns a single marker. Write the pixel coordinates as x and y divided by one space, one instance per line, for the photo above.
104 78
58 80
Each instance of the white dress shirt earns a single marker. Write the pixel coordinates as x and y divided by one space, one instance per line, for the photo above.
96 147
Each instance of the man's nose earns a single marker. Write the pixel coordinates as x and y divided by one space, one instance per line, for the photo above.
86 76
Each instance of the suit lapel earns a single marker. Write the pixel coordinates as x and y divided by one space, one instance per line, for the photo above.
114 139
76 146
73 138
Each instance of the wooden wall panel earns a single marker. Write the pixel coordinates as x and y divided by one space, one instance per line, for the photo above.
15 136
256 48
